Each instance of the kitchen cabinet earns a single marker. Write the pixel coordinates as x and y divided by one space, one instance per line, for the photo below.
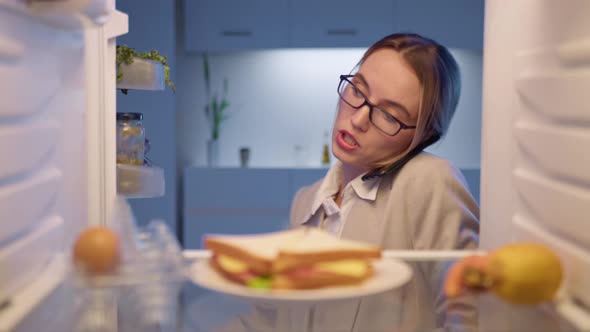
340 23
453 23
226 25
239 200
229 25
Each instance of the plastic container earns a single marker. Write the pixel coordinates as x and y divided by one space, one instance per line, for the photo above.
140 181
143 292
130 139
142 74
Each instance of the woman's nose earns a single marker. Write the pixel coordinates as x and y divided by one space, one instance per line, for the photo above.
360 119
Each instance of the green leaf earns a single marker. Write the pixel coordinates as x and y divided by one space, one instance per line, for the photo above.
224 104
260 283
215 104
217 117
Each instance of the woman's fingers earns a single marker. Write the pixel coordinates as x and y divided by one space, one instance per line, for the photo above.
469 273
454 279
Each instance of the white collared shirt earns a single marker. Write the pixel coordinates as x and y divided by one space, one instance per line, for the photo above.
335 216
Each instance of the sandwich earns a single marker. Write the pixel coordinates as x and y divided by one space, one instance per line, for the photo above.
302 258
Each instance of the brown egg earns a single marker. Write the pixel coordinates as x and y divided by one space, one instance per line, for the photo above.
97 250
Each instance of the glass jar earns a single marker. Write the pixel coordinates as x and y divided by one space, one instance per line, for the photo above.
130 139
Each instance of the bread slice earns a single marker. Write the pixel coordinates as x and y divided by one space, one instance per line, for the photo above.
317 246
258 251
235 277
319 280
277 252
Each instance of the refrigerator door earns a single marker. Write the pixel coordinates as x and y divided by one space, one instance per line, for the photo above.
49 55
536 134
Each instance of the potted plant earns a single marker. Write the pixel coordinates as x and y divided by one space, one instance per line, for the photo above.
142 71
215 110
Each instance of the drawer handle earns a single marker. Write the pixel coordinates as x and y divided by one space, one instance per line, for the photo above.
342 32
236 33
11 50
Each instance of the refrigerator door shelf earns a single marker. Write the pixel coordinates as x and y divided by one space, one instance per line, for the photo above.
575 259
38 191
31 65
23 259
559 151
551 80
142 74
35 143
140 181
65 14
559 206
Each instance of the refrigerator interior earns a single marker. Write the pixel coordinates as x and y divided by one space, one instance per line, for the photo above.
57 139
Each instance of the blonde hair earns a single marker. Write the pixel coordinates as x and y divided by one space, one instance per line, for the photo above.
440 85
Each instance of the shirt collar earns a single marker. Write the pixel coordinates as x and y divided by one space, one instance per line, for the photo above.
366 190
329 186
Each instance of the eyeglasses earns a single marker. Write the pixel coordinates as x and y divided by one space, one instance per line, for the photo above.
381 119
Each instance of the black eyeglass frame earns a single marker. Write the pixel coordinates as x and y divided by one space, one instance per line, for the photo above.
371 106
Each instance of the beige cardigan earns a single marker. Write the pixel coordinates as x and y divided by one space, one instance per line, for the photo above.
426 205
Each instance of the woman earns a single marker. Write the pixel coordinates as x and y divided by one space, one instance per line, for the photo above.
384 190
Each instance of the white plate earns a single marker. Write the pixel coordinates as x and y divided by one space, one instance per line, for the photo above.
389 274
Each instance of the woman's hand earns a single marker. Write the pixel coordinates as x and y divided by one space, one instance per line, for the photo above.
471 274
520 273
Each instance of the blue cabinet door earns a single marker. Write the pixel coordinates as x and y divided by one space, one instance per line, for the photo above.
225 25
340 23
453 23
234 201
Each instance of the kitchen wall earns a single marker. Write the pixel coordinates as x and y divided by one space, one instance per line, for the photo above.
280 99
285 98
152 25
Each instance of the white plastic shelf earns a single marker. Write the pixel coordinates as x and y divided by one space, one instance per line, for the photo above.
140 181
575 259
405 255
65 14
22 259
38 191
30 297
38 140
117 25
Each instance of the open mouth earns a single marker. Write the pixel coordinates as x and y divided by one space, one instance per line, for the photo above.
346 141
